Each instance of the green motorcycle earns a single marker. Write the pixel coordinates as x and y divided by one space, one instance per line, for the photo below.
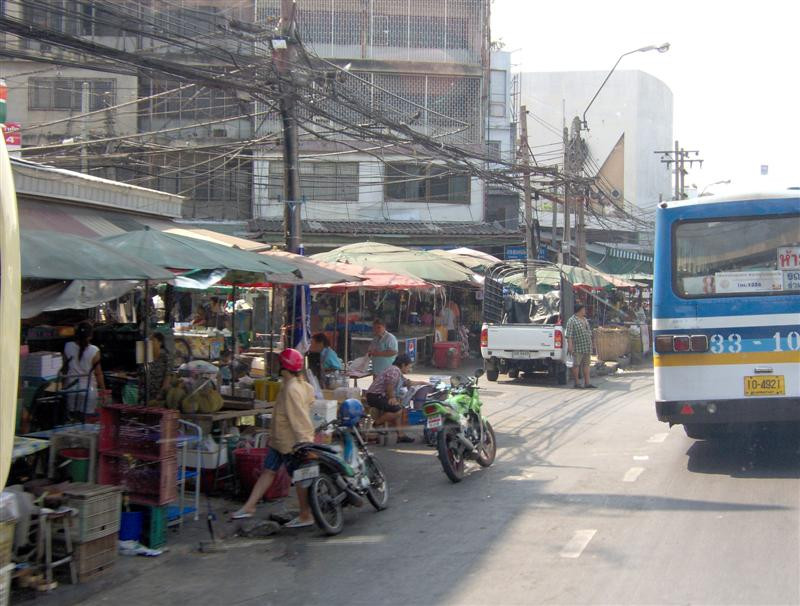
462 432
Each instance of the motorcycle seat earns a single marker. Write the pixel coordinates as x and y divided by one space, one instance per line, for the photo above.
315 446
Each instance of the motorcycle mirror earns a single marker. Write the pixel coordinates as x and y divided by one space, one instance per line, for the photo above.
479 372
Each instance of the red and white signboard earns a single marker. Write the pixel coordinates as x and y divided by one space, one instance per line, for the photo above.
12 133
789 257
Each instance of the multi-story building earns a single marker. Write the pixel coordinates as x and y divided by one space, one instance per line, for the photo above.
423 63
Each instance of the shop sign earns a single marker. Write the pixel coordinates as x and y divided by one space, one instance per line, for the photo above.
791 279
516 253
411 349
748 281
12 133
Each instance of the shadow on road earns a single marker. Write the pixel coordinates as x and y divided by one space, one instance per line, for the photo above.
758 453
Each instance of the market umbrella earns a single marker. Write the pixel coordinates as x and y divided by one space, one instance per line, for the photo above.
576 275
475 262
315 271
183 253
416 263
376 279
57 256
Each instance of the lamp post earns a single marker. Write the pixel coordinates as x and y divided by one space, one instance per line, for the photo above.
662 48
575 152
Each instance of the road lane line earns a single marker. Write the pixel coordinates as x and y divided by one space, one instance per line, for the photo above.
578 543
633 474
641 458
657 438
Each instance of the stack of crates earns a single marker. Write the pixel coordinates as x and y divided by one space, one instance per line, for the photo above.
138 452
6 565
96 528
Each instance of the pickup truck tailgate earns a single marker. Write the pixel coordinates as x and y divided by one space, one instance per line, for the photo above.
521 337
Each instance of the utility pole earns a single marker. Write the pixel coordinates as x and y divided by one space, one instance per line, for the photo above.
84 126
285 54
575 152
680 157
523 153
564 255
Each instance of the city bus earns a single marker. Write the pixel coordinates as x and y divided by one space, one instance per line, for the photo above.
726 312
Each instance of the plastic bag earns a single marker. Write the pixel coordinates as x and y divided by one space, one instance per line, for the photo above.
569 361
360 365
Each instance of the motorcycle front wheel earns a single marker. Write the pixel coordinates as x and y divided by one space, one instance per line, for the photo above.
451 453
327 511
489 450
378 491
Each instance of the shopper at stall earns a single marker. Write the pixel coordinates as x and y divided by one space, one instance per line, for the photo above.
383 348
327 357
158 369
384 392
579 345
84 376
291 424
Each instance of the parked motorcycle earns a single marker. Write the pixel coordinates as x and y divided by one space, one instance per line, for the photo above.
342 473
463 433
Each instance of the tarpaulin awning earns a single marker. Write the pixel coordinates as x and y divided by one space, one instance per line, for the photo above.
377 279
183 253
77 294
420 264
315 271
471 259
56 256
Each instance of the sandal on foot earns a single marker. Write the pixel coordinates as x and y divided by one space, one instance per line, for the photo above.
590 386
241 514
298 523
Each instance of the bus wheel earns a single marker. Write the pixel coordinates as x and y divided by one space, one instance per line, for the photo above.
701 432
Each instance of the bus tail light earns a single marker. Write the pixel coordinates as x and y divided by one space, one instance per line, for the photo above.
664 344
699 342
681 343
558 339
687 410
485 337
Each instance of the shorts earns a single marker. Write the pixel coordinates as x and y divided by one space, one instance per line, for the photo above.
275 460
581 359
381 402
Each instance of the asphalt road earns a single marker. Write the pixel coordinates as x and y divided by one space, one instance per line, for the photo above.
591 501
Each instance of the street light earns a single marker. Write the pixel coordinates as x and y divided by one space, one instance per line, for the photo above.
662 48
724 182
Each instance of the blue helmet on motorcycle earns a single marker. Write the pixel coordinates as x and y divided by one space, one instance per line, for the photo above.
351 412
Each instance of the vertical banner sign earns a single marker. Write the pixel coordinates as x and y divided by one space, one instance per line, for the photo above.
3 101
12 134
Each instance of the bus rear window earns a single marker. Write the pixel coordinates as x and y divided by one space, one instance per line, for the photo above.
741 256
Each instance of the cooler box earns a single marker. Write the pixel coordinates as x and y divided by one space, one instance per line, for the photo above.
447 354
324 411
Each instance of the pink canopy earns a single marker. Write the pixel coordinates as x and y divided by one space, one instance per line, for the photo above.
374 279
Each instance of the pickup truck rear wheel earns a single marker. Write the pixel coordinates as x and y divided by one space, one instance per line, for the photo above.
561 374
513 373
492 375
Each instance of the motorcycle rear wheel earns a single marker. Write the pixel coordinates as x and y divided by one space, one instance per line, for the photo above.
489 450
327 514
378 491
451 454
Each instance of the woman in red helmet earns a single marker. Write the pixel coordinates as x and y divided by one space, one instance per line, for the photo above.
291 423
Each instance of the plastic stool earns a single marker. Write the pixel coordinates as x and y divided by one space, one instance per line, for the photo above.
48 521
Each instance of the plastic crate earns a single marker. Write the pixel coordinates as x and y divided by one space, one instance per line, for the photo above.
6 541
98 510
147 482
138 431
155 534
94 558
416 417
250 463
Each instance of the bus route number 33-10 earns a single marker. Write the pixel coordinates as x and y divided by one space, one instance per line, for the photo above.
733 342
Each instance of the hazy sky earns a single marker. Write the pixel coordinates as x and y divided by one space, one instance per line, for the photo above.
732 69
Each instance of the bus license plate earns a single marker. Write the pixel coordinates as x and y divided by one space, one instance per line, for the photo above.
305 473
772 385
435 422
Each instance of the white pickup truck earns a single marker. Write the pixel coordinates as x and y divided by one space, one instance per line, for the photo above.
523 313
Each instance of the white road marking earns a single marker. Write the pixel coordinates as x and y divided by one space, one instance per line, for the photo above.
357 539
657 438
641 458
633 474
578 543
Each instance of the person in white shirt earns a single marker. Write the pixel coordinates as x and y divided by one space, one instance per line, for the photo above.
84 375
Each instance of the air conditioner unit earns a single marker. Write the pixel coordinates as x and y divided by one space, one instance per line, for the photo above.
219 133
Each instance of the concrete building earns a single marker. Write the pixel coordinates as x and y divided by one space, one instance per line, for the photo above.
424 63
630 120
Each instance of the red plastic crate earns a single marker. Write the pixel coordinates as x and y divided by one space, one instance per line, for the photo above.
250 462
147 482
138 431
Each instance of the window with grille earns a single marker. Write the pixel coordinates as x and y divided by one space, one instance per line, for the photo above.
425 183
322 181
190 103
65 93
493 150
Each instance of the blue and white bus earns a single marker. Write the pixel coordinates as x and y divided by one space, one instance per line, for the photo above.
726 312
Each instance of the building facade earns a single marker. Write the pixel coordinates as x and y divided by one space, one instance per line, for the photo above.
422 63
628 122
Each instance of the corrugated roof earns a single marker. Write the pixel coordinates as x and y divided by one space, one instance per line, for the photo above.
366 228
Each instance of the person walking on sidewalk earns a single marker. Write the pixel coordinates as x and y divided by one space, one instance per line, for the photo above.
579 346
383 348
291 424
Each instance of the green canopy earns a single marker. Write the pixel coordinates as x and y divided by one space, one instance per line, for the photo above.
576 275
420 264
478 262
191 254
56 256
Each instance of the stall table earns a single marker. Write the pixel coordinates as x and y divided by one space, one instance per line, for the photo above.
223 417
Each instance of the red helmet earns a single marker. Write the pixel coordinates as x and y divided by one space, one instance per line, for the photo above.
291 360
